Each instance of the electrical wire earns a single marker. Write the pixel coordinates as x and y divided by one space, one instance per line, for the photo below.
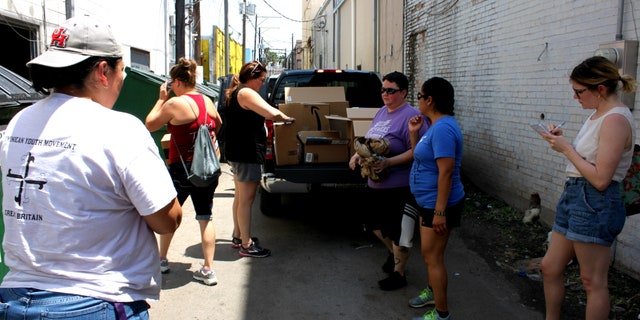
16 31
282 15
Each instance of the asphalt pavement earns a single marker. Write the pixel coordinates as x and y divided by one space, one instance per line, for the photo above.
323 266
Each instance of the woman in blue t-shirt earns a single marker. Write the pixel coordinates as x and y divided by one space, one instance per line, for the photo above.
435 182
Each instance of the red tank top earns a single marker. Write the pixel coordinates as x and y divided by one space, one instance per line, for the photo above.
184 135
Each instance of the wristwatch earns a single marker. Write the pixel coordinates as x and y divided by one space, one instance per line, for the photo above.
440 213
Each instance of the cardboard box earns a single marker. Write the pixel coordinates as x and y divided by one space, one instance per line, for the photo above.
313 94
309 116
164 143
355 124
285 144
361 113
310 106
323 147
361 118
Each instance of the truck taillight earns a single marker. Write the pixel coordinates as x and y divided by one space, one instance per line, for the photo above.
268 124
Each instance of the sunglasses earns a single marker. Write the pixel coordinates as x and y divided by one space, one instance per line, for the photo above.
389 90
420 95
258 64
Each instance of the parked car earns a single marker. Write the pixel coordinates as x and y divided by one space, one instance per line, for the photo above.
362 89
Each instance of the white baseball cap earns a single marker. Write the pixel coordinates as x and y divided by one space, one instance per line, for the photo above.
76 40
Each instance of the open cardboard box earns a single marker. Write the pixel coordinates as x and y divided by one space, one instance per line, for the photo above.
323 147
310 106
355 124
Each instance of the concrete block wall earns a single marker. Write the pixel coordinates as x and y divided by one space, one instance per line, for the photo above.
509 62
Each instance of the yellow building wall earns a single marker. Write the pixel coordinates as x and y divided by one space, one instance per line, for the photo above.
217 55
206 59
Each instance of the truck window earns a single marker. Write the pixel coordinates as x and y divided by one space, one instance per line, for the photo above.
361 91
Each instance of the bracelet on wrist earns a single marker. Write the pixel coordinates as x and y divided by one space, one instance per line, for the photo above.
439 213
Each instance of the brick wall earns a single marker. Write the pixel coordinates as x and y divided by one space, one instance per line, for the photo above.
509 63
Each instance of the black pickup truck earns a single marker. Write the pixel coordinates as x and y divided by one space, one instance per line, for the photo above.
362 89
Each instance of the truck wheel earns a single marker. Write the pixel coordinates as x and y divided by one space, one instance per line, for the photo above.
270 203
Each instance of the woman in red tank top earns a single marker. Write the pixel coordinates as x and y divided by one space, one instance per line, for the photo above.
183 114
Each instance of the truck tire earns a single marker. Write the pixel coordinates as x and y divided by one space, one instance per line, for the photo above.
270 203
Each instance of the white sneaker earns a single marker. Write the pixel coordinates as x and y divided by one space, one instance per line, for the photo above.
207 277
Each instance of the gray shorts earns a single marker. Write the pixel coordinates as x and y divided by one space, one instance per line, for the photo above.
246 172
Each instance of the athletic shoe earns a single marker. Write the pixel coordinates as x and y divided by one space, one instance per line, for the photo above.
164 265
393 282
423 299
237 242
254 251
389 264
432 315
207 277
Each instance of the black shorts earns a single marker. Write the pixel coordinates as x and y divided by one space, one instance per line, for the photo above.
387 208
454 216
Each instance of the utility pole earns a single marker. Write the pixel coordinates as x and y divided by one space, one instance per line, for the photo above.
227 65
68 6
260 45
244 28
196 39
179 29
255 40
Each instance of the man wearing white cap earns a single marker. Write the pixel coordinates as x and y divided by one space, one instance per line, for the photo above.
84 189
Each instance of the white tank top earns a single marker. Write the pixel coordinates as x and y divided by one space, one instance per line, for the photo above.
586 143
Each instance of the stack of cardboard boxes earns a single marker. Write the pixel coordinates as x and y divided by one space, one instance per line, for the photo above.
324 128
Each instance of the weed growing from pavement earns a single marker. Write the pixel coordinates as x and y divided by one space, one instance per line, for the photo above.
496 232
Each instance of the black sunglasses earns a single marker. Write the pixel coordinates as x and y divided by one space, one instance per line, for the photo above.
420 95
389 90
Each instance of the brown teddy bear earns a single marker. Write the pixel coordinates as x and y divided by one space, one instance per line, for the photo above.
371 151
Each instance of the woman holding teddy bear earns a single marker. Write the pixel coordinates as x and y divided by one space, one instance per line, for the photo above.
393 221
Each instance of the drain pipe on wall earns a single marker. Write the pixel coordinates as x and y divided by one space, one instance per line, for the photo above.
620 18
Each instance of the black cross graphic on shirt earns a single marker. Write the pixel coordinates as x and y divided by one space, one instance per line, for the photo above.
23 179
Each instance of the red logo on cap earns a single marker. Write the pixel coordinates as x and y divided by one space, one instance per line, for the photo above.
58 38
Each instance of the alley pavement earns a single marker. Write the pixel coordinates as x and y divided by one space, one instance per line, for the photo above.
323 266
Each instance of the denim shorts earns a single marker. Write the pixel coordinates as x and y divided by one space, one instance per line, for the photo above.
25 303
246 172
584 214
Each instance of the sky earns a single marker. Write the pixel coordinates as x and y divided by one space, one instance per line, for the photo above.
278 21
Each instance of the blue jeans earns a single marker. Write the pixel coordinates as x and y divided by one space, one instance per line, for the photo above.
584 214
24 303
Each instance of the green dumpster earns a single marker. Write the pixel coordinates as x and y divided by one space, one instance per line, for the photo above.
140 92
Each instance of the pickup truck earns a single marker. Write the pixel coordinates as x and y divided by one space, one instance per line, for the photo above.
362 89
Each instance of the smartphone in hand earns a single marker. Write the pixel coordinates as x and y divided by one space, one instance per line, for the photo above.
540 128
